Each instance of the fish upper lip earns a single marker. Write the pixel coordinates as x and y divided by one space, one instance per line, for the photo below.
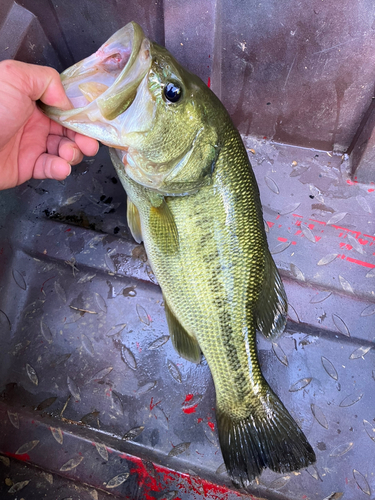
119 64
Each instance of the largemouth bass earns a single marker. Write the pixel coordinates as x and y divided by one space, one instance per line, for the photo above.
194 202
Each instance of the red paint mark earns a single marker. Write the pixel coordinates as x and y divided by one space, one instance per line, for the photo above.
294 243
282 239
152 404
296 215
191 409
346 480
67 230
270 224
138 347
369 190
360 262
199 420
211 425
351 183
317 238
209 82
23 457
362 241
46 282
311 226
188 397
264 137
298 232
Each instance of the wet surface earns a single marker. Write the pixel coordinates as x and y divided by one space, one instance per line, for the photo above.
86 348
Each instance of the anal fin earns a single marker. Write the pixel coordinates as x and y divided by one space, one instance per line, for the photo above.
185 344
272 304
134 221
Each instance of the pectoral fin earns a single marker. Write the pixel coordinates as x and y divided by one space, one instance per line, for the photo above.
185 344
134 221
272 304
163 228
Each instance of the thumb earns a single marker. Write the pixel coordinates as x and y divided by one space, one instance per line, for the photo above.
39 82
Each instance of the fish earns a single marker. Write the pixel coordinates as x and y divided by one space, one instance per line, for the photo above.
193 199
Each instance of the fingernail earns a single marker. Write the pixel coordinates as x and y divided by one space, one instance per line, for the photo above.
60 172
75 155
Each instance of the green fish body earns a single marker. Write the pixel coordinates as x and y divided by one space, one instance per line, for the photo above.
194 202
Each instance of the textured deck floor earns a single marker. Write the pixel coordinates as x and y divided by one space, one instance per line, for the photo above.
84 338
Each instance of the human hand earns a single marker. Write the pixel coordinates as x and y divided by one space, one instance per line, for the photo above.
31 144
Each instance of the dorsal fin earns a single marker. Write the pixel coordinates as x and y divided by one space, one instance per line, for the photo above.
272 306
185 344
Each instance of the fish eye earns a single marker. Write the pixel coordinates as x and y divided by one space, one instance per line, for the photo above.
172 92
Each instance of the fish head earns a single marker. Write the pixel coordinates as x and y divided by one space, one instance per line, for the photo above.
132 95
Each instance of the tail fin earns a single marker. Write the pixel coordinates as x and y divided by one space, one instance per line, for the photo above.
267 437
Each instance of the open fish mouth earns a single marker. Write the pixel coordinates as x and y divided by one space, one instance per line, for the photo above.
103 86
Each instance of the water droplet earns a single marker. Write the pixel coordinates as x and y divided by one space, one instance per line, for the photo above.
319 416
71 464
133 433
320 297
101 302
297 273
128 357
117 480
45 331
370 429
73 388
19 279
87 344
360 352
308 233
25 448
46 403
101 373
327 259
340 325
362 202
18 486
278 483
289 209
177 450
337 217
351 400
142 314
280 247
102 450
14 420
272 185
115 330
57 434
329 368
31 373
174 371
158 342
341 450
368 311
146 387
361 482
301 384
280 354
